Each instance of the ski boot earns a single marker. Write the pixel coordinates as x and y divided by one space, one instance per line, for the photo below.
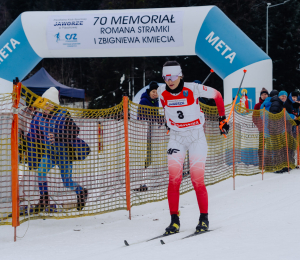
43 203
203 224
174 226
81 199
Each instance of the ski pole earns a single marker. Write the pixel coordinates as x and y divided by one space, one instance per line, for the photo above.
211 71
231 110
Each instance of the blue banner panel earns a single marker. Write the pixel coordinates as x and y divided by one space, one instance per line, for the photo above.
17 58
224 47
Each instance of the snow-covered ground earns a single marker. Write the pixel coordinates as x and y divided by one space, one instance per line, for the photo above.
258 220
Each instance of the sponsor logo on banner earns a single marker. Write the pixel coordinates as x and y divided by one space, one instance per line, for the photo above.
204 88
187 124
116 30
177 102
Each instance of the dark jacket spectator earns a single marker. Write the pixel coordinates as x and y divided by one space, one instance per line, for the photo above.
267 103
150 98
146 100
263 95
289 105
294 98
256 114
278 102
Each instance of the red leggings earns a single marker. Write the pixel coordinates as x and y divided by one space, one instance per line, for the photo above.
180 142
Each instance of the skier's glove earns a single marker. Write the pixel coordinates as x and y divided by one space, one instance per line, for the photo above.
168 128
224 127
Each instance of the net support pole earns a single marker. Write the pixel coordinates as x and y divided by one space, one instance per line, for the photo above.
286 141
263 146
127 169
14 160
298 158
233 149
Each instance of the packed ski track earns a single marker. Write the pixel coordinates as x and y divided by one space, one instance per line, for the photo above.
257 220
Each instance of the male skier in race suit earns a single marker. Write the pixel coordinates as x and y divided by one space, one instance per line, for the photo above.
185 120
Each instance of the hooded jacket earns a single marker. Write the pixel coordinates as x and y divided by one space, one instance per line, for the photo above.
267 103
146 100
148 113
276 105
288 104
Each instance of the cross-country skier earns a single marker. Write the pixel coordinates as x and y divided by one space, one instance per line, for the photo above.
185 120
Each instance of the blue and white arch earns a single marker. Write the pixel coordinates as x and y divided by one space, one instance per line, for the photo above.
204 31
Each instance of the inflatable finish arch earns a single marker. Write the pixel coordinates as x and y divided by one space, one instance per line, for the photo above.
204 31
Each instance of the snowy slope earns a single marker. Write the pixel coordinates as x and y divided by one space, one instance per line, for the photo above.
259 220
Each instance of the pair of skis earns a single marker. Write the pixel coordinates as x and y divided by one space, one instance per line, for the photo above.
162 236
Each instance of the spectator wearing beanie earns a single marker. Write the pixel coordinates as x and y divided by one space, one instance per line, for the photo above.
263 95
256 115
292 106
277 102
150 97
279 154
268 154
257 120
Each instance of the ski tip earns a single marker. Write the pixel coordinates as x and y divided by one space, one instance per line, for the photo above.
126 243
162 242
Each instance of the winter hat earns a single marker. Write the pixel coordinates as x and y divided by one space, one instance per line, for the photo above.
264 91
294 94
273 93
153 85
282 92
52 95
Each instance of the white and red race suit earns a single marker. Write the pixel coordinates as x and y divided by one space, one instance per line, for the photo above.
185 120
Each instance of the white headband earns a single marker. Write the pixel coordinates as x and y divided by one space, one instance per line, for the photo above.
172 71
